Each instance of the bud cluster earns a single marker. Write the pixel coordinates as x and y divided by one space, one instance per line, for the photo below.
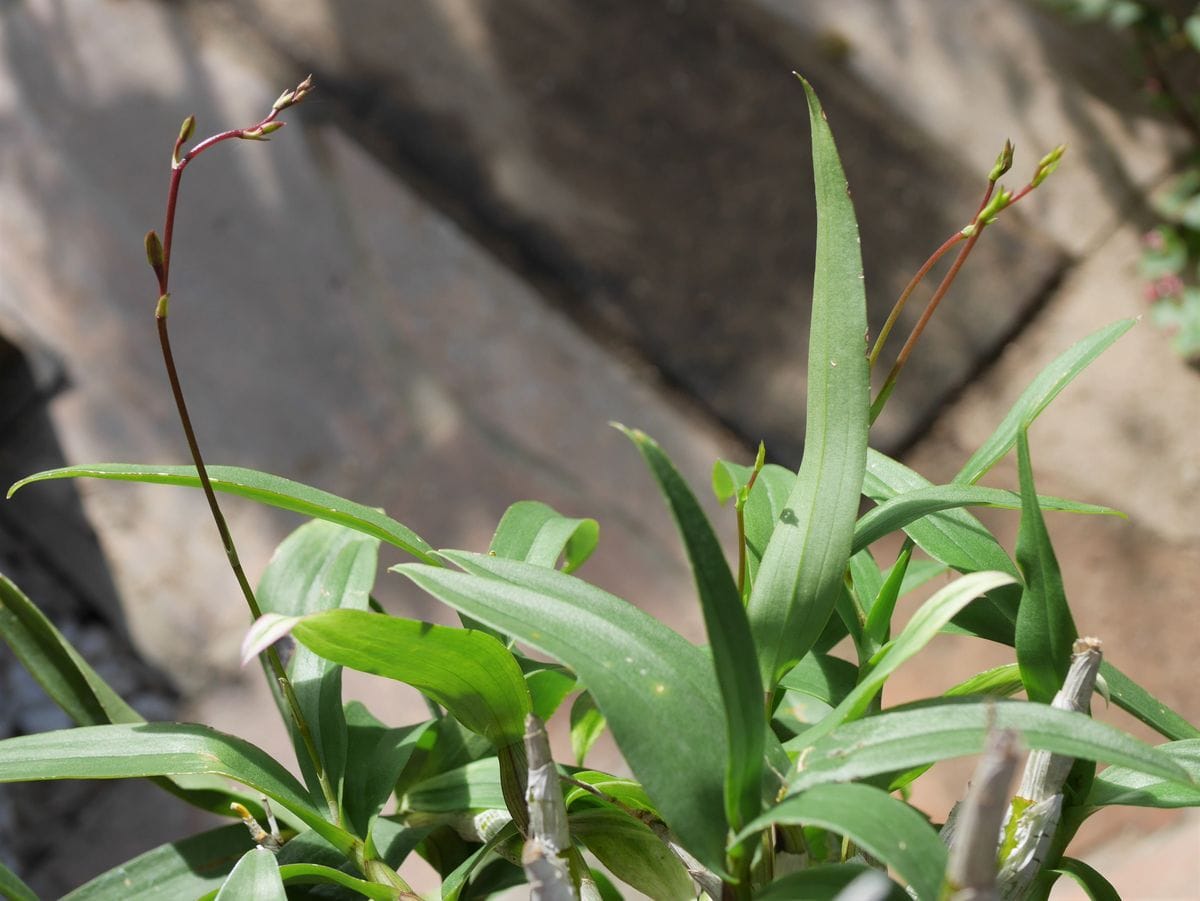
292 97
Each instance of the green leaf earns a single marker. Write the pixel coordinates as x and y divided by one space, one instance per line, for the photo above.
1000 681
375 757
828 679
548 688
899 740
728 632
475 786
255 876
1045 630
138 750
879 615
633 853
262 487
800 575
1034 399
13 888
1096 886
766 502
317 874
587 725
920 630
320 566
956 538
469 673
658 691
620 789
84 696
539 534
1130 787
1134 699
184 869
903 509
822 883
886 828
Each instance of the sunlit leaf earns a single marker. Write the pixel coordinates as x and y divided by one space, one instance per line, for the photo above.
539 534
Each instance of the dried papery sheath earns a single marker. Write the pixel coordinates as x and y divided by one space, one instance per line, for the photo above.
544 857
1034 814
973 828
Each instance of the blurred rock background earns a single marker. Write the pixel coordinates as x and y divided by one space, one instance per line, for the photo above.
497 226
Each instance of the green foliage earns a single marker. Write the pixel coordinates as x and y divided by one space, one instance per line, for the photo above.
763 750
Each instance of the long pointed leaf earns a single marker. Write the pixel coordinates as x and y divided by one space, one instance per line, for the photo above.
885 827
85 697
187 868
729 636
1043 389
658 691
1045 630
907 508
13 888
1123 785
320 566
262 487
131 751
900 740
1134 699
631 851
1096 886
801 571
469 673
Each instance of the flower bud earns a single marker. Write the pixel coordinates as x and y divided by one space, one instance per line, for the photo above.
1048 164
286 99
1003 162
154 251
186 129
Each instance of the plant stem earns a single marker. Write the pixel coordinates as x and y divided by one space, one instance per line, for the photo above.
162 269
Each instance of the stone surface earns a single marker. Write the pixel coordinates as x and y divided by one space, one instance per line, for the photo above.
647 165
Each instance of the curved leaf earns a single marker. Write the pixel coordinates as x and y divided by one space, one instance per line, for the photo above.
886 828
903 739
187 868
800 575
13 888
1096 886
1123 785
631 851
903 509
473 787
539 534
587 725
138 750
262 487
728 633
375 757
658 691
317 874
1034 399
255 876
469 673
320 566
828 679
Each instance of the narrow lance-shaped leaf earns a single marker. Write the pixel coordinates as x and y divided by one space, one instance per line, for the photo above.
800 574
658 690
911 506
130 751
13 888
1043 389
262 487
320 566
1096 886
1127 786
1045 630
1134 699
899 740
885 827
85 697
728 636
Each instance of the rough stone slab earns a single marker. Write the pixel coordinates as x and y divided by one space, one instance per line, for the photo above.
650 162
329 326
